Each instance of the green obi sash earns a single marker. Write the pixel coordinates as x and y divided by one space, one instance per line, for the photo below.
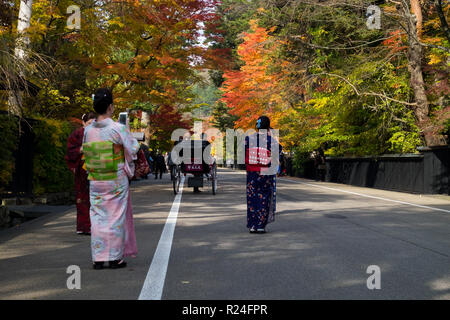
102 159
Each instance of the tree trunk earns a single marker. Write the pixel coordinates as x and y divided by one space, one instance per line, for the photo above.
415 56
417 10
20 55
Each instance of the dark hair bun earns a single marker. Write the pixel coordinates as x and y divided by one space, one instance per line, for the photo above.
264 122
88 116
102 99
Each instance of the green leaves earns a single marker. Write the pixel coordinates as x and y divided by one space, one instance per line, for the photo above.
50 172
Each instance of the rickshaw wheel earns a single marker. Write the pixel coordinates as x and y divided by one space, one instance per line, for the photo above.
176 179
214 179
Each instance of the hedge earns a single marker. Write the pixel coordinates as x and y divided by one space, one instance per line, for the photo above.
8 144
50 172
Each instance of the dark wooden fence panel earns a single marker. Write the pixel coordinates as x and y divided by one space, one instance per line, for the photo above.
437 169
401 173
426 173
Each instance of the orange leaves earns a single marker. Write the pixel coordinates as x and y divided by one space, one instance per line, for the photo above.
145 48
395 41
253 90
168 60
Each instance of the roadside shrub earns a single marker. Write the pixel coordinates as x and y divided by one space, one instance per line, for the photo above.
50 172
300 162
8 145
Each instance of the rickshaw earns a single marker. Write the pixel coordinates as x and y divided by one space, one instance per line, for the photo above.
204 169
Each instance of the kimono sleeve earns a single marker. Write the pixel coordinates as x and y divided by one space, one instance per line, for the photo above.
273 142
130 144
74 142
280 150
246 147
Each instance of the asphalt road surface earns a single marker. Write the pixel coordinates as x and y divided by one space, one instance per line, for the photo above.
323 240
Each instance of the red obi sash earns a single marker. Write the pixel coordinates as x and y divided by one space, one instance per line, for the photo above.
257 158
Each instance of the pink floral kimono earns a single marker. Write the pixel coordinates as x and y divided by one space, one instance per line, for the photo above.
109 150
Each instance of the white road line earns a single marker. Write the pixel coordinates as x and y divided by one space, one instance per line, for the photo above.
154 282
367 196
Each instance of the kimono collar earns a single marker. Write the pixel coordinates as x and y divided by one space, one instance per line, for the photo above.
103 123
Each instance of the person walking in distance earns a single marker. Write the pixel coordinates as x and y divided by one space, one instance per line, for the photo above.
160 166
320 165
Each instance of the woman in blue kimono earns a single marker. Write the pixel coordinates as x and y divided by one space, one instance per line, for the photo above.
261 175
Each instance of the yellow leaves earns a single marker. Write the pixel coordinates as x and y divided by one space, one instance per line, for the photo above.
319 103
433 23
321 32
436 56
36 29
435 40
434 59
3 30
116 22
44 11
156 93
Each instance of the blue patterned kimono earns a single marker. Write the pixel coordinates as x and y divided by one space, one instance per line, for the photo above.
261 194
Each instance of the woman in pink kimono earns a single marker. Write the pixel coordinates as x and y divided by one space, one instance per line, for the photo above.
109 150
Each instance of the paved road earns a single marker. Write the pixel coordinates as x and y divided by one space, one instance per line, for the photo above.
319 247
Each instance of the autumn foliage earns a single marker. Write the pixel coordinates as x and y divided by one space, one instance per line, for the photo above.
253 90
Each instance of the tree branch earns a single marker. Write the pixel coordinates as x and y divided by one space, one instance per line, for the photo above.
344 48
366 93
434 46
